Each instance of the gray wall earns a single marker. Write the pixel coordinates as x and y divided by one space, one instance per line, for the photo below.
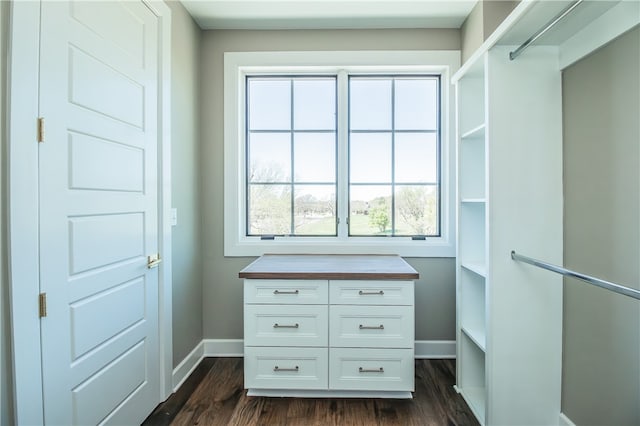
6 400
601 359
472 31
482 22
222 290
494 13
186 187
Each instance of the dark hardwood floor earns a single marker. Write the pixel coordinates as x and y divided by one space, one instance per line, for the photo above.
213 395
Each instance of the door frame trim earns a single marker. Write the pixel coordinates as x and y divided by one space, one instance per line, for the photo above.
22 211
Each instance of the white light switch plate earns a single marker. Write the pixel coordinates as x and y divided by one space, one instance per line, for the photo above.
174 216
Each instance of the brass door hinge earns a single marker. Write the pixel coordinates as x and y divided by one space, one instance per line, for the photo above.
42 305
153 260
40 129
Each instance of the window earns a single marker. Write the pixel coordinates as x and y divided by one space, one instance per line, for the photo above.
394 156
339 152
291 152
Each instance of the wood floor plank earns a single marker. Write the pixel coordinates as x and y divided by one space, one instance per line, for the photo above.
217 397
165 413
300 408
220 399
248 411
274 411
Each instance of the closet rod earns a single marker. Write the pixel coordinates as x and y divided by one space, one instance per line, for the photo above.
550 24
616 288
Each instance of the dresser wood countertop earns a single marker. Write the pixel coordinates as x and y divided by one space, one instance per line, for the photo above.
329 267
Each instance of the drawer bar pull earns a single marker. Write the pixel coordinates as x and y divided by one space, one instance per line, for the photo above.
371 293
286 292
276 325
295 369
371 370
371 327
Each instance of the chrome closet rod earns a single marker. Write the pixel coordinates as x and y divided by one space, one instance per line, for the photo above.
550 24
586 278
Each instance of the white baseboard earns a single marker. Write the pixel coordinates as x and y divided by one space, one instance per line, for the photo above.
435 349
223 347
218 348
565 421
188 364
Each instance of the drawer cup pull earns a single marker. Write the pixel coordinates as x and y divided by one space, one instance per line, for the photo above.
286 292
371 293
295 369
276 325
371 370
371 327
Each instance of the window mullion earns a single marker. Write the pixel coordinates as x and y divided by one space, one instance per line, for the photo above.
343 154
393 157
293 166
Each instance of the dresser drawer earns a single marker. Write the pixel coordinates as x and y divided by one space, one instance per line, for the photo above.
285 368
300 292
371 292
371 369
371 326
285 325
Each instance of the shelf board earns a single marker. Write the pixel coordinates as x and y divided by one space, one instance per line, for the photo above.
475 133
473 200
478 268
476 398
543 12
477 336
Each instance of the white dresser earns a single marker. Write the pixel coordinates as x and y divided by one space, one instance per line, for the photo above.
329 326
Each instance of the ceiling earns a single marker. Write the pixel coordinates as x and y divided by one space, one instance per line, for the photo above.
328 14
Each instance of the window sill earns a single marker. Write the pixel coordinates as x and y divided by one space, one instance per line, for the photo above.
406 247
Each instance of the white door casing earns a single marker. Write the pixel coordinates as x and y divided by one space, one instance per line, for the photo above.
103 90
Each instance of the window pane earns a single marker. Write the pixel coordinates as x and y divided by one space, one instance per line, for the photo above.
370 158
315 157
370 104
369 210
269 104
270 157
416 158
314 104
269 209
315 210
416 210
416 104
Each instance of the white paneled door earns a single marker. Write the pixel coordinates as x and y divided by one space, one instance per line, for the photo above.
98 222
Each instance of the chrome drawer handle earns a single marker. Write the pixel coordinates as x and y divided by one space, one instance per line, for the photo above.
276 325
371 370
286 292
371 327
371 293
295 369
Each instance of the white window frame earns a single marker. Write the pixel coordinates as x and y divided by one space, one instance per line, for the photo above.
237 65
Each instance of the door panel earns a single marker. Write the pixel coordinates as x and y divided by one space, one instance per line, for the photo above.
92 162
123 305
99 211
98 17
88 88
97 241
94 399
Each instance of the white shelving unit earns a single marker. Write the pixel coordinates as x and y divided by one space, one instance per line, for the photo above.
510 198
472 229
509 136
